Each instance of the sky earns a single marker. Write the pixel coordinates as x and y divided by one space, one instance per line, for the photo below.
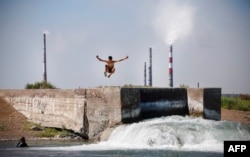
210 38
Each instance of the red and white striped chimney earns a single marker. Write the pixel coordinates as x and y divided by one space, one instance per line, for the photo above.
170 67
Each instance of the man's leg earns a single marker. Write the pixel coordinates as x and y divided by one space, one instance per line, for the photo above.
106 70
113 71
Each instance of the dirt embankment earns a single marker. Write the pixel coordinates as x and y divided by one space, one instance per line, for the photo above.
235 115
12 122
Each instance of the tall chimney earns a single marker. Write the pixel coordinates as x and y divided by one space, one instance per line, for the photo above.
150 67
145 74
44 59
170 67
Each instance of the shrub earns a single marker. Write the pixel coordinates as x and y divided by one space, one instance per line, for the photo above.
48 132
40 85
184 86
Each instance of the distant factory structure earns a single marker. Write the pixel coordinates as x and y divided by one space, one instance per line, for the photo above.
145 74
170 69
44 59
150 80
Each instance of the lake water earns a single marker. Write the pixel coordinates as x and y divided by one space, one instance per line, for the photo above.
170 136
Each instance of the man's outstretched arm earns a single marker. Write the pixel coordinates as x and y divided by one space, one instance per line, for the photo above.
122 59
100 59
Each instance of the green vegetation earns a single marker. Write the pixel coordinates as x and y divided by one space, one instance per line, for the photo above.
29 125
52 132
1 127
40 85
184 86
46 132
196 114
241 102
135 86
126 86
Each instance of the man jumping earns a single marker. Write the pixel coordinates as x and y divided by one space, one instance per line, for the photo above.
110 66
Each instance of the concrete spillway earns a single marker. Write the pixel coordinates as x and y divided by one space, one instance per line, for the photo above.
91 111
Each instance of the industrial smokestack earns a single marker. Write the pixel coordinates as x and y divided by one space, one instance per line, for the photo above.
150 67
170 67
145 74
44 59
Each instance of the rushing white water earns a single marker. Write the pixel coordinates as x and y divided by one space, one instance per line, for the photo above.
173 133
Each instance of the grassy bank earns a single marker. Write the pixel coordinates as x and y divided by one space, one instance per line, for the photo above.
52 132
46 131
240 102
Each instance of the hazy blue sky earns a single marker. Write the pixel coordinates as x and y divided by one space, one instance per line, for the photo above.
211 42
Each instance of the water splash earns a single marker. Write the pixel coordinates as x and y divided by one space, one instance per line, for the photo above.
177 132
172 133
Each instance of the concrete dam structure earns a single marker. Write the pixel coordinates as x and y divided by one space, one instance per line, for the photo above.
91 111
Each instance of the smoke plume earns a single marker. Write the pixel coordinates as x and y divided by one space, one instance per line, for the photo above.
173 21
46 32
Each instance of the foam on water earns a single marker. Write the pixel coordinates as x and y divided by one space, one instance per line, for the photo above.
173 132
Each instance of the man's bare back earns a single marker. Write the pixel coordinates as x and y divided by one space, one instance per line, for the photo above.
110 66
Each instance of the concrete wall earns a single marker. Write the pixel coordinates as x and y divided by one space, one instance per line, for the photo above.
211 103
205 101
91 111
158 102
195 100
86 111
144 103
